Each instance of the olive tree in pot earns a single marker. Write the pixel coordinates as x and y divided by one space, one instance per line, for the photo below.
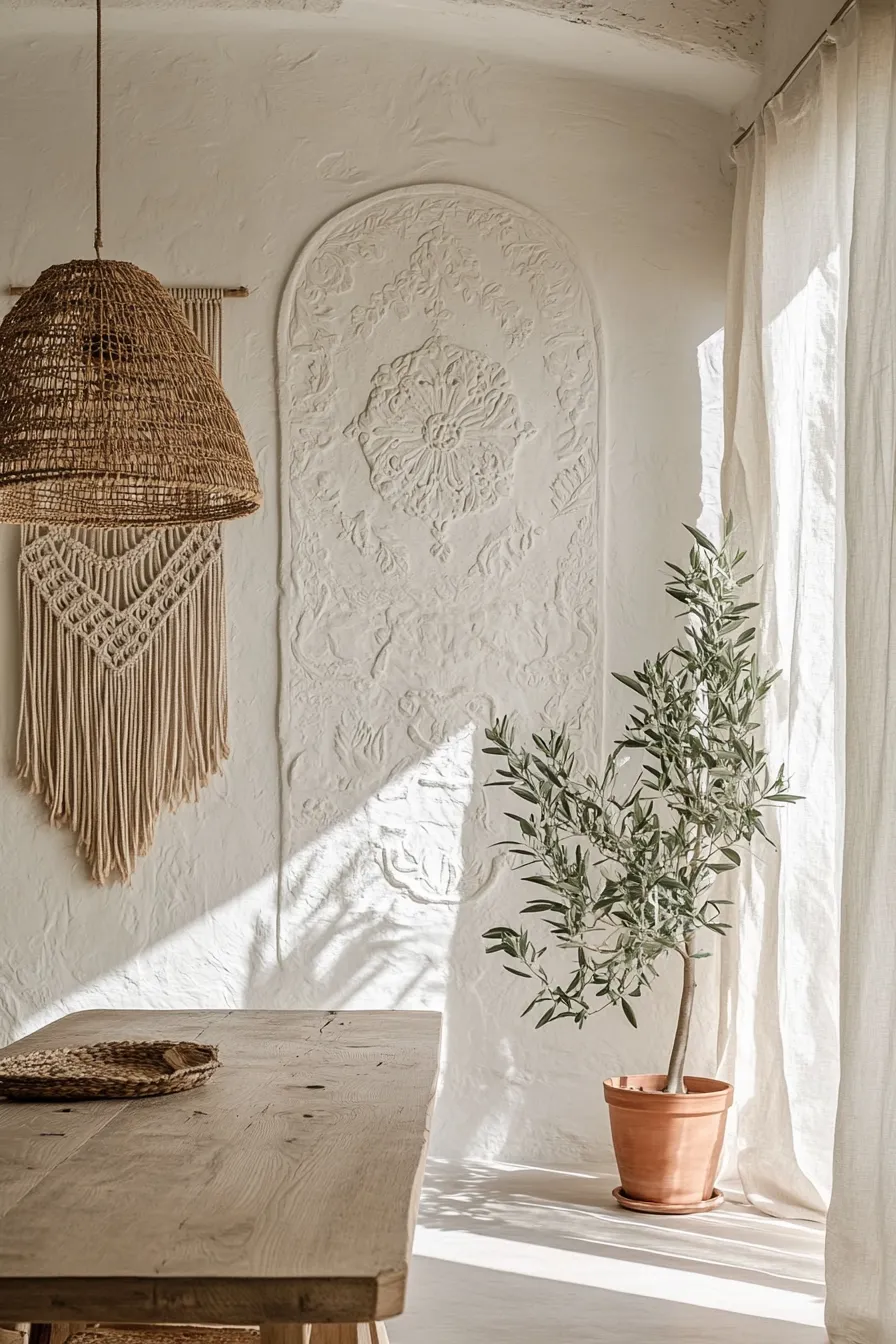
625 864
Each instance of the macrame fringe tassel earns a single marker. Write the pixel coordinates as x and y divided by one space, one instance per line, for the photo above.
107 748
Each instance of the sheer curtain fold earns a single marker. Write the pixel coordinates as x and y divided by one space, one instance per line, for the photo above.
811 472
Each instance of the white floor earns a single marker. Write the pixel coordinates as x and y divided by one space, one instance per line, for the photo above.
514 1255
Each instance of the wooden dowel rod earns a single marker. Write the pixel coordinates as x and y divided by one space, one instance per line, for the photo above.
241 292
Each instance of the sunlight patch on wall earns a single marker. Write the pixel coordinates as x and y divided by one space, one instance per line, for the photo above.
204 964
368 919
370 908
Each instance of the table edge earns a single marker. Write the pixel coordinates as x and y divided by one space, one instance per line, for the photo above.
219 1300
206 1300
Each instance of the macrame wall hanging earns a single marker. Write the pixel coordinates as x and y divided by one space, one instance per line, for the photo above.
124 679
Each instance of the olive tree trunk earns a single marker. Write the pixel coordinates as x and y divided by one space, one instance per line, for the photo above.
675 1072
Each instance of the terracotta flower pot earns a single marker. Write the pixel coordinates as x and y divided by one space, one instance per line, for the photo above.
667 1146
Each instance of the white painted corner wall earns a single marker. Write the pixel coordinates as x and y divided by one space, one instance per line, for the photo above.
226 151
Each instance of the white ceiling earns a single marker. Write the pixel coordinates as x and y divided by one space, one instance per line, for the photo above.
708 50
730 28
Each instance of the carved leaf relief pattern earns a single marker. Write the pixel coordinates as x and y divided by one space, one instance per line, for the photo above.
439 408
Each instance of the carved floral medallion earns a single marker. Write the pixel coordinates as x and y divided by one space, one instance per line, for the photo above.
440 431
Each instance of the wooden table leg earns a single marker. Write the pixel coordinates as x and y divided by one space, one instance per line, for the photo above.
57 1333
369 1332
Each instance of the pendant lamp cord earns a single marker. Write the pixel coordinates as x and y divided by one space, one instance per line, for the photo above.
98 231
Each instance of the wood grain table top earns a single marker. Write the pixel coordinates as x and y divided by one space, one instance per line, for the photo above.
285 1190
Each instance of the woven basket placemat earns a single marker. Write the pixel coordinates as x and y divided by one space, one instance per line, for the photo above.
165 1334
118 1069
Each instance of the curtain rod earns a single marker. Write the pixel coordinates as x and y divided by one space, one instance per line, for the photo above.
797 69
241 292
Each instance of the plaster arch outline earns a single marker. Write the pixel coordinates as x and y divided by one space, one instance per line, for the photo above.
414 281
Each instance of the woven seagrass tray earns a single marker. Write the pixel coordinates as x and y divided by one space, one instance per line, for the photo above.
166 1334
115 1069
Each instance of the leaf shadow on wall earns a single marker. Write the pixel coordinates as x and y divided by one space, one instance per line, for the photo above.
385 909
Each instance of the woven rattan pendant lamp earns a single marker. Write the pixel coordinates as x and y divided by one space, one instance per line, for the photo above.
111 413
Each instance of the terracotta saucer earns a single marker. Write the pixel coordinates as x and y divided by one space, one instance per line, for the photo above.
645 1206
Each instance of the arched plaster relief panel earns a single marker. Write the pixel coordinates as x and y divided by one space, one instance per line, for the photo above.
438 383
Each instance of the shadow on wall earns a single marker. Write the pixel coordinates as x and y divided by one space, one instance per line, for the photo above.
386 908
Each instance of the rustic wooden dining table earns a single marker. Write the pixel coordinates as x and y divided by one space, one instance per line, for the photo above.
283 1192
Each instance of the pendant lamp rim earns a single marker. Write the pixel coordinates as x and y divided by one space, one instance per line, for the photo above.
22 496
111 413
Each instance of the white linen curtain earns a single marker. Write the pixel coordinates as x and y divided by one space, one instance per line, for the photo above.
784 352
811 471
861 1251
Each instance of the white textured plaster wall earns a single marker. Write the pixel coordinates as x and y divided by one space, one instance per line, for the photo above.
224 155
